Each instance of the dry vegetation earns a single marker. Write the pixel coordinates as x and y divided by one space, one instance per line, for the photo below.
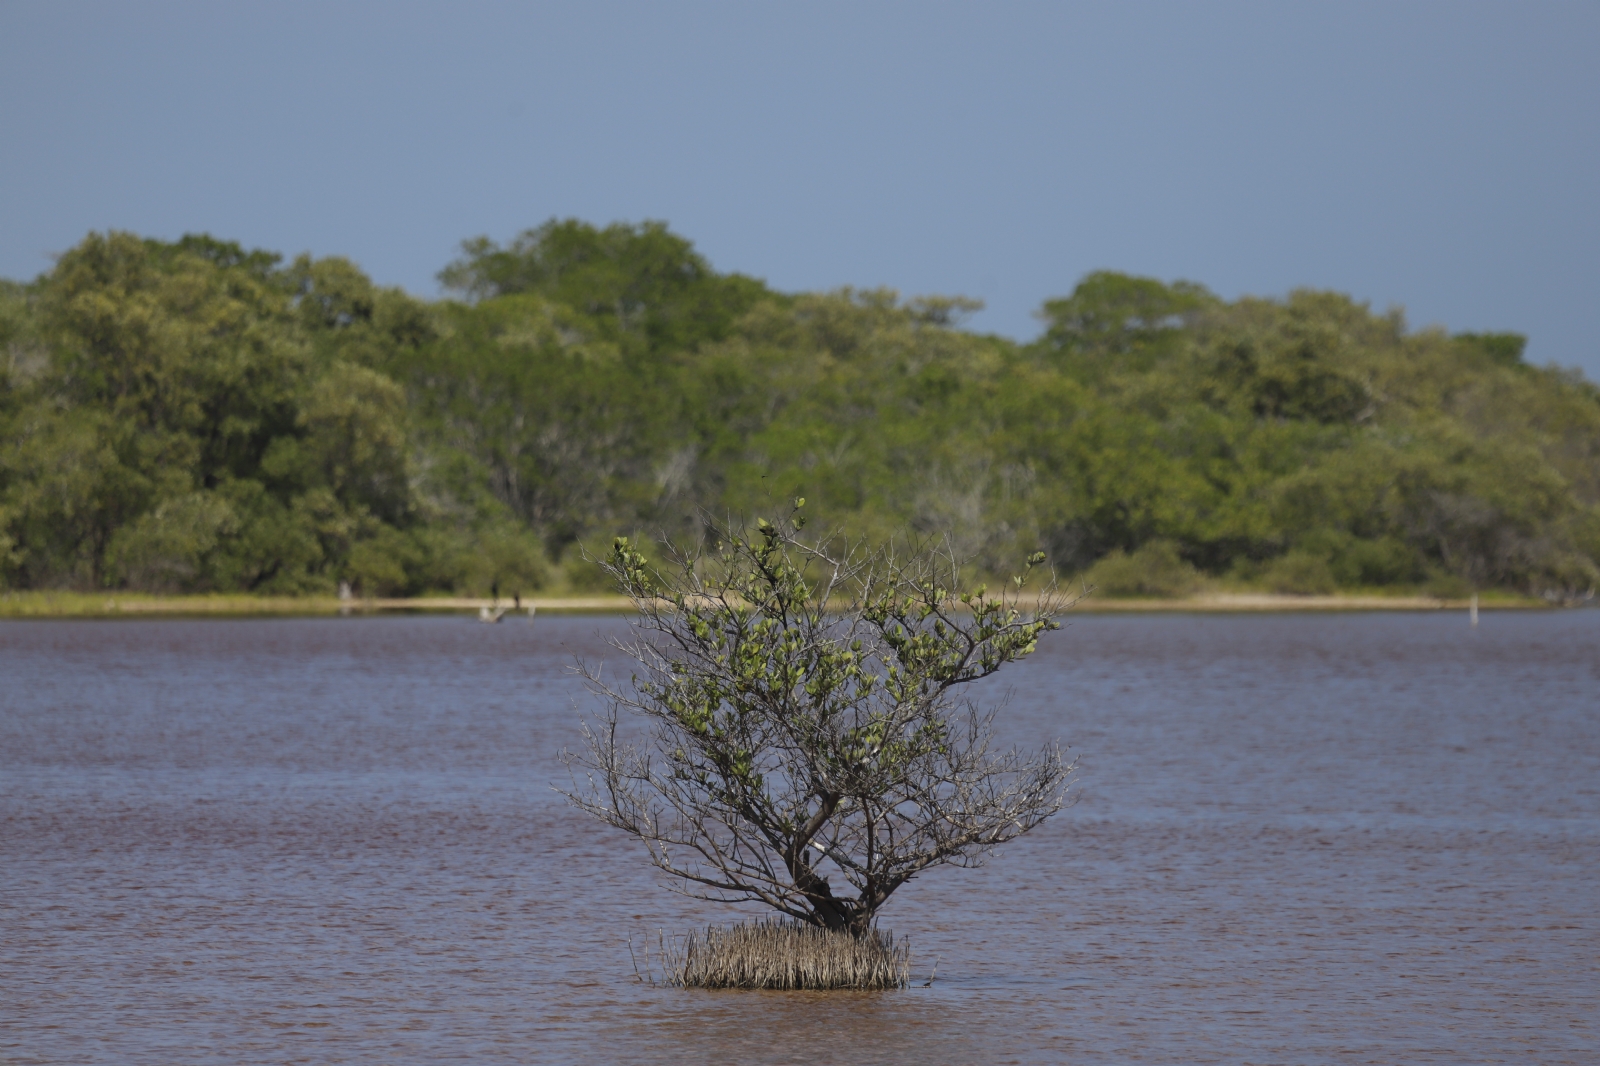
785 956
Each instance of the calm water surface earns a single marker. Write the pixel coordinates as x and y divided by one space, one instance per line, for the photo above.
1301 839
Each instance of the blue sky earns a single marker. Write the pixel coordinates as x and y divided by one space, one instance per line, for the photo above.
1443 157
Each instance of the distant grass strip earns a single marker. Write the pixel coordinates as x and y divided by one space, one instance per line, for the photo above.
787 956
36 604
110 604
1279 601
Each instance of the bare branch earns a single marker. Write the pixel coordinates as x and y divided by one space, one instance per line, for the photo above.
805 746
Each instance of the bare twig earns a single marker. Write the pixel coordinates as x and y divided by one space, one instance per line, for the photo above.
808 743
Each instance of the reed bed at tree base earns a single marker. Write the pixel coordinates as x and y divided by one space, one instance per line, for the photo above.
786 956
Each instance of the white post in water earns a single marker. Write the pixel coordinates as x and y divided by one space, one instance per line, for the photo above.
1473 610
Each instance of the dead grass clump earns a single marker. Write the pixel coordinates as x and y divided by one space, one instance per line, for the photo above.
786 956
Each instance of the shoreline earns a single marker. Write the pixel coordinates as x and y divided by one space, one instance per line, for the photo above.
41 605
18 605
1232 602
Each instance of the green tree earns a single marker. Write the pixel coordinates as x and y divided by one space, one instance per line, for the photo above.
1113 318
194 425
810 748
627 284
197 415
559 431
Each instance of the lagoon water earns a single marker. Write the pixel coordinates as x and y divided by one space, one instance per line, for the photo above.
1298 839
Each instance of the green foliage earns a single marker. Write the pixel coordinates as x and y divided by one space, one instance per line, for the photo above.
1308 444
1113 322
638 286
190 417
1155 569
1503 348
1300 572
806 728
202 416
167 548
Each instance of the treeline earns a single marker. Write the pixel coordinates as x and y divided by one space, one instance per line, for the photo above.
195 416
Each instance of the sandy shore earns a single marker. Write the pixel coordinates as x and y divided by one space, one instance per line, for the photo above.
1269 601
90 605
106 605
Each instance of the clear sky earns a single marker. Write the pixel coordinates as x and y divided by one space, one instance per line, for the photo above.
1444 157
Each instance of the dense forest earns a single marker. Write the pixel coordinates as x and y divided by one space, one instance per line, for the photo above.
195 416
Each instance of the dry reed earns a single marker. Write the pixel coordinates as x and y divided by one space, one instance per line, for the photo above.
785 956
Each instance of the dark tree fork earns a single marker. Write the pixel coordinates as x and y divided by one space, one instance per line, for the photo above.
809 742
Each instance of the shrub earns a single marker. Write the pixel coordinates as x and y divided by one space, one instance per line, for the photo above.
1300 573
1156 569
809 745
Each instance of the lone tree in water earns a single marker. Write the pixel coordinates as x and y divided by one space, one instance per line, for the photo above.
809 744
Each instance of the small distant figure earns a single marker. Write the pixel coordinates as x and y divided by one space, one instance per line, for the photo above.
495 612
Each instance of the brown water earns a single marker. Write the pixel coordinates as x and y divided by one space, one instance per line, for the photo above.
1300 839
